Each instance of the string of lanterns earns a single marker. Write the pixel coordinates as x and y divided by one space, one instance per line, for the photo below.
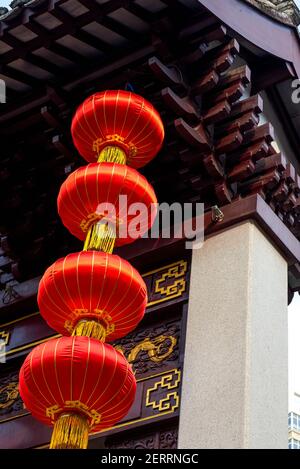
79 384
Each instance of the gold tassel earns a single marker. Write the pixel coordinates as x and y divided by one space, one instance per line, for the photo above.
112 154
101 237
90 328
71 431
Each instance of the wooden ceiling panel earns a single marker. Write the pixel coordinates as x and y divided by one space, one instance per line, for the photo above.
78 46
74 8
105 34
127 18
23 34
30 69
4 47
14 84
52 57
155 6
48 21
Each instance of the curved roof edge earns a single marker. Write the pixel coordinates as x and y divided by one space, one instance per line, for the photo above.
259 29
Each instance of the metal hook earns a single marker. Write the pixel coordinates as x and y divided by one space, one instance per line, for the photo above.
216 214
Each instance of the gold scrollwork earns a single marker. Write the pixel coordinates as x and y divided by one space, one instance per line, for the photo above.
9 393
114 139
154 348
97 314
171 401
4 337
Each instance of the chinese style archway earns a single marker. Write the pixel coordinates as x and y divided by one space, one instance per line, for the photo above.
78 383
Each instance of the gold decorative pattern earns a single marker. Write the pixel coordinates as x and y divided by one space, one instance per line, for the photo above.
171 283
91 219
170 401
113 139
9 393
153 347
4 337
97 314
93 416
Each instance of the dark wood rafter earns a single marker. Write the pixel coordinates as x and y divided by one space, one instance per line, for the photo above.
66 27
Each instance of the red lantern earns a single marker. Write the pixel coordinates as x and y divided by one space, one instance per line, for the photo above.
91 191
92 287
77 384
118 118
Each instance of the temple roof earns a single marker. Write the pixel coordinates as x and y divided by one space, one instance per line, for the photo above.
16 7
285 11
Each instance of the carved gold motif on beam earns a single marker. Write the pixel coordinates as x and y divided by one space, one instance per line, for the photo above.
157 396
153 347
8 394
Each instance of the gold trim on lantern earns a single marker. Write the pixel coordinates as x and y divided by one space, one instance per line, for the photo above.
91 414
113 140
97 315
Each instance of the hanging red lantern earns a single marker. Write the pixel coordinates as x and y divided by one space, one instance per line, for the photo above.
77 384
94 294
121 120
92 194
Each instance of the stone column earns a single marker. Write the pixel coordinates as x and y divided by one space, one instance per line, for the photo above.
235 377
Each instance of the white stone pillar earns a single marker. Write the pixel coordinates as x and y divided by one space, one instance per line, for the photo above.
235 377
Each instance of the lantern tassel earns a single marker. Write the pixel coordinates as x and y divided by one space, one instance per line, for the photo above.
90 328
101 237
71 431
112 154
